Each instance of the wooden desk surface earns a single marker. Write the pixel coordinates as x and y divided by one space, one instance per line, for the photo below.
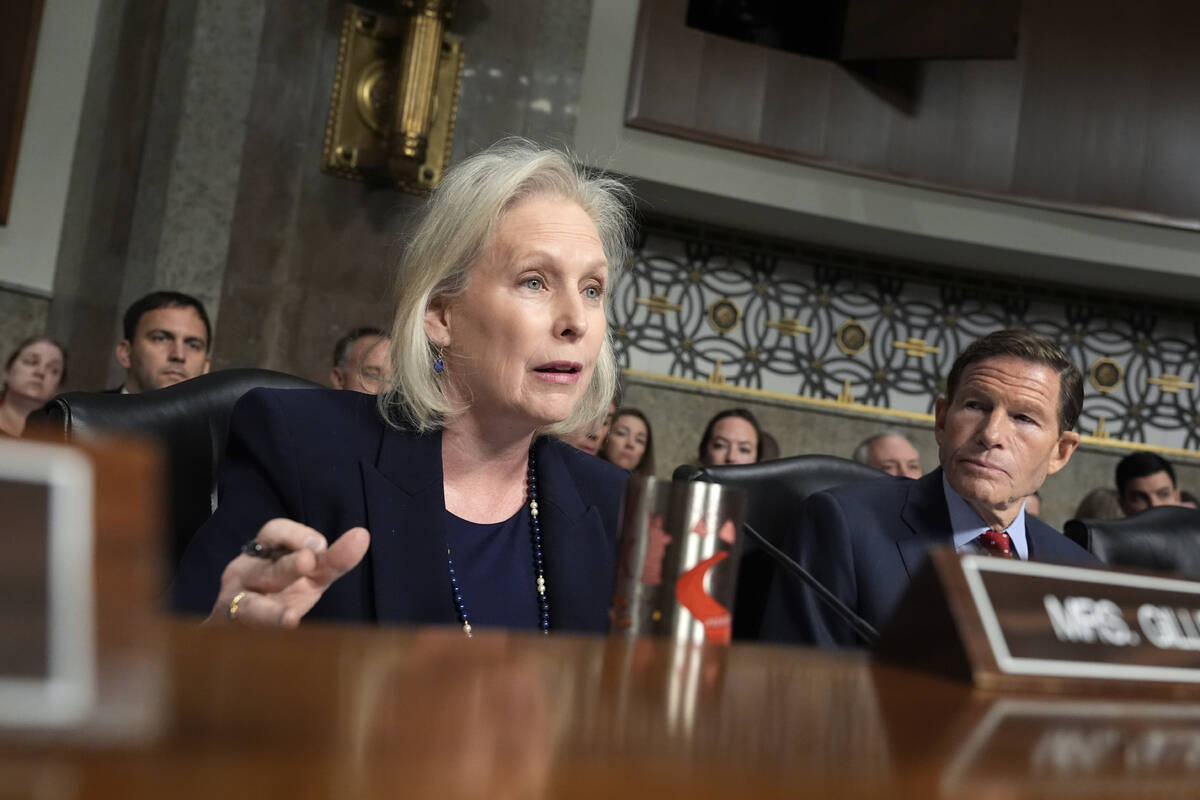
344 712
348 712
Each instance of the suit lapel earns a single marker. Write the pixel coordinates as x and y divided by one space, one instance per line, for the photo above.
579 560
928 520
1041 539
405 515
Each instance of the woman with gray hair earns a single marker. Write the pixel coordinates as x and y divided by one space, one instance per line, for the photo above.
447 499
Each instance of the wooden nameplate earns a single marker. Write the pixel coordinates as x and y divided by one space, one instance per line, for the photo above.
1036 626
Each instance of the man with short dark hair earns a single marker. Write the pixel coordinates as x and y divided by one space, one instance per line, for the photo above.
360 360
1145 480
1006 422
167 340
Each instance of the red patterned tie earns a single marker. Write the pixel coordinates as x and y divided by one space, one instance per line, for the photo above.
997 543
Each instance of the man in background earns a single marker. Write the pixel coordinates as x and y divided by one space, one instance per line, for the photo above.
1145 480
361 361
890 452
168 338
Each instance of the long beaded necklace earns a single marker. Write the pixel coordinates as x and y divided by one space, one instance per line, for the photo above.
539 567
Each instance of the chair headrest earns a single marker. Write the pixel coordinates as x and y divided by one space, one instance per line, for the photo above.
1163 538
776 488
77 414
804 475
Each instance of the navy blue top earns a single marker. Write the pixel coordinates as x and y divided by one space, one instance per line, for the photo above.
494 565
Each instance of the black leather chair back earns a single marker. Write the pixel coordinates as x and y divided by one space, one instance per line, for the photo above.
190 420
1165 538
774 492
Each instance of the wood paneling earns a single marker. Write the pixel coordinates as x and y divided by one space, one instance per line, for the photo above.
19 24
798 126
1172 166
929 28
1097 113
732 87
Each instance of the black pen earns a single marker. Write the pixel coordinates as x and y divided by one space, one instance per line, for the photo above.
256 549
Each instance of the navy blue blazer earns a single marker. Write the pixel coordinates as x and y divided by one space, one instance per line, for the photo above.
864 541
327 459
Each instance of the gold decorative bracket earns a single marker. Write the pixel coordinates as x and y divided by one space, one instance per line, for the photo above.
845 397
658 304
395 96
716 377
1172 384
916 347
789 327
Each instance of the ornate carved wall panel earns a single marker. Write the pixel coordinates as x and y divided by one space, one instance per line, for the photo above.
784 319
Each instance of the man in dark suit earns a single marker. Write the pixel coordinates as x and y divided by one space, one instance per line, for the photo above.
1006 422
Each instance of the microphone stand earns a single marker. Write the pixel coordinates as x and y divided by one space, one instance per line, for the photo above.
863 628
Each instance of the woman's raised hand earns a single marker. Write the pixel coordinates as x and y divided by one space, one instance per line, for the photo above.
278 592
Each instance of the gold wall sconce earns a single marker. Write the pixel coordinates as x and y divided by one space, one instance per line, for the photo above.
395 96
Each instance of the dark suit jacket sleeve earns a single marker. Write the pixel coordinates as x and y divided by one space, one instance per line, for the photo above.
822 543
259 482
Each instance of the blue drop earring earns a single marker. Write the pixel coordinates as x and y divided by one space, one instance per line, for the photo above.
439 363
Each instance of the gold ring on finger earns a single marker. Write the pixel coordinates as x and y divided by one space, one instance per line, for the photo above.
233 605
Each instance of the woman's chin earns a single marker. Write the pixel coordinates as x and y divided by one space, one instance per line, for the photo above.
552 412
36 396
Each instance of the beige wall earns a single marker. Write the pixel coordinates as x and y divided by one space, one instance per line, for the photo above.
678 412
30 238
29 241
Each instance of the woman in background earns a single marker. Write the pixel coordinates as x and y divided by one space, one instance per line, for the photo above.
731 437
591 438
630 442
32 376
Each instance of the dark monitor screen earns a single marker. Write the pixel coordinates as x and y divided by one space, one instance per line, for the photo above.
24 579
47 626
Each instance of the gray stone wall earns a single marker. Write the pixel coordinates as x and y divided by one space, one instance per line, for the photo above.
191 164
